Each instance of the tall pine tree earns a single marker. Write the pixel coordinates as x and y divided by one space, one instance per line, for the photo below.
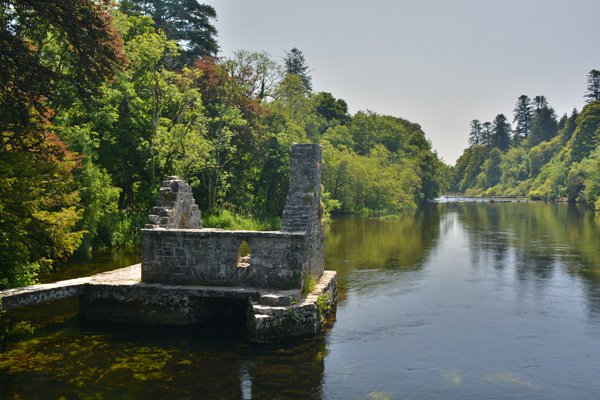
501 133
476 135
296 65
593 89
523 113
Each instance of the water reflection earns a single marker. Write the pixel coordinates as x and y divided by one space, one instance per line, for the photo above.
453 301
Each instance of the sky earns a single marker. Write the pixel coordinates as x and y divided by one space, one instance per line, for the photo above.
439 63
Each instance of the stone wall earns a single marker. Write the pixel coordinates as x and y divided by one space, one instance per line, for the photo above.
175 207
304 209
282 260
212 257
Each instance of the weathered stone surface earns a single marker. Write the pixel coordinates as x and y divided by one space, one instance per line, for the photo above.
31 295
303 319
280 260
175 207
212 257
303 211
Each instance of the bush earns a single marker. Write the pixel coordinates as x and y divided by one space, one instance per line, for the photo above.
232 218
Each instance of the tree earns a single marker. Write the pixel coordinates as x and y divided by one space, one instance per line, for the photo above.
476 135
501 133
296 65
523 113
92 54
38 206
185 21
331 108
593 89
543 127
232 114
491 171
540 102
568 127
486 133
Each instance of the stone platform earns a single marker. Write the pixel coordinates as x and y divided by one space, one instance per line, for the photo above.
120 296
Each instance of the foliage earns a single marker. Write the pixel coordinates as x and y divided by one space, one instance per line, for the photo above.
557 160
501 133
593 89
544 127
90 54
322 305
523 113
232 218
38 205
476 135
186 22
114 89
296 65
38 210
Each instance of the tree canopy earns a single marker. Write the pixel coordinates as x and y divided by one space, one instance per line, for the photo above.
187 22
557 159
38 203
125 97
296 65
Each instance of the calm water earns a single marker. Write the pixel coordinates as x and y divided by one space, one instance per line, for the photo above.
453 301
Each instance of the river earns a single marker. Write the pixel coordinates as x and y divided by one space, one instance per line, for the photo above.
451 301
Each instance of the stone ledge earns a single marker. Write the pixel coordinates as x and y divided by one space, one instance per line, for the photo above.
213 232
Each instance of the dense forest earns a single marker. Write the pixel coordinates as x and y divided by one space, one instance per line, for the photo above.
100 102
543 157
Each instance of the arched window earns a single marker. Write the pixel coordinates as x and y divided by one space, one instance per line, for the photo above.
243 255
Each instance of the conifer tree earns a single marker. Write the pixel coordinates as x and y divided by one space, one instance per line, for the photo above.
593 89
523 113
296 65
476 135
486 133
185 21
501 133
540 102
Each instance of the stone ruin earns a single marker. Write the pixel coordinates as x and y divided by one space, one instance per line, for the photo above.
190 274
175 207
177 250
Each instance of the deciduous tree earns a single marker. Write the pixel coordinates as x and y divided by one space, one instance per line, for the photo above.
38 206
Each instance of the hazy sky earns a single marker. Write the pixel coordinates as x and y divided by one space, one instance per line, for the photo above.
437 63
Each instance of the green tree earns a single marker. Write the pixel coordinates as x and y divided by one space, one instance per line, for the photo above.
491 168
567 130
469 167
515 167
588 127
523 116
501 133
593 89
331 108
185 21
486 133
38 206
544 127
296 65
539 102
476 134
